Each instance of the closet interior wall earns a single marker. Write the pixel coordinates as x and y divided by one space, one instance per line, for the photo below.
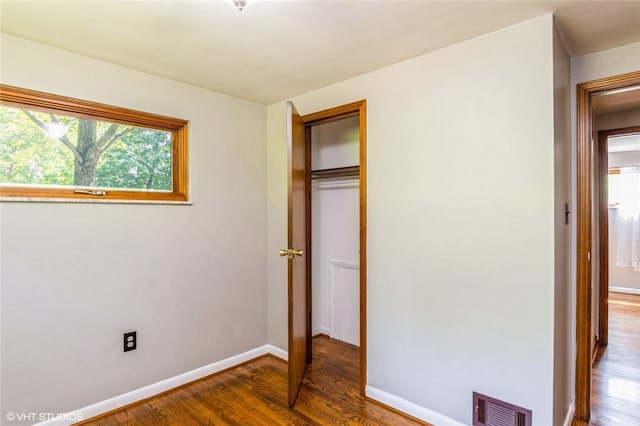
335 230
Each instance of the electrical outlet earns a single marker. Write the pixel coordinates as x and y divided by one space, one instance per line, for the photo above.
130 341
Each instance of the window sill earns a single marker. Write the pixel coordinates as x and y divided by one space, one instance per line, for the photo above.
92 200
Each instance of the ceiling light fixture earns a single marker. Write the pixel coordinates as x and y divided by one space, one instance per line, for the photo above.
240 4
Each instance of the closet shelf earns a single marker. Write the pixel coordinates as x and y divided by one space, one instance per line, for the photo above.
337 172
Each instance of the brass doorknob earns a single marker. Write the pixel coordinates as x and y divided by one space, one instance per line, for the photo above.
290 253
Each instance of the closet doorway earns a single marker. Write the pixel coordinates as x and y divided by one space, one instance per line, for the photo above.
336 216
335 250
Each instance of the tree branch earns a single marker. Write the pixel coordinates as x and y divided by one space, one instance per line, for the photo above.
64 139
106 136
105 146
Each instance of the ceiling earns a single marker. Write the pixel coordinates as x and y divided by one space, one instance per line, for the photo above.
274 50
616 100
624 143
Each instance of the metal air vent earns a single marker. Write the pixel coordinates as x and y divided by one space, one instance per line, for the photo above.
489 411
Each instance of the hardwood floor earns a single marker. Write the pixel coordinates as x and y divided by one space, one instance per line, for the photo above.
256 394
615 391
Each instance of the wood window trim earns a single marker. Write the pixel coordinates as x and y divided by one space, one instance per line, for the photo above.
40 101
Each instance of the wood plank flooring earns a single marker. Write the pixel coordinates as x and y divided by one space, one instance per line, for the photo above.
256 394
615 389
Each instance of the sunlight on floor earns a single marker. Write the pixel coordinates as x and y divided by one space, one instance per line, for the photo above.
627 390
617 302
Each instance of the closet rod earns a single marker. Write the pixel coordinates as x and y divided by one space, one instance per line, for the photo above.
337 172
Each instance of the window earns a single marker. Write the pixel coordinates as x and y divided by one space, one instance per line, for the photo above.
53 147
624 191
624 195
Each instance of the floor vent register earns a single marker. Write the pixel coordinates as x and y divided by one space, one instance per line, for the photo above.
489 411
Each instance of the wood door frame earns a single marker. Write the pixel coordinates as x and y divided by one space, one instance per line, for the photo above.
584 236
602 171
321 117
603 228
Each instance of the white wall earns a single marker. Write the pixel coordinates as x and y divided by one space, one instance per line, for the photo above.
607 63
460 221
624 159
618 119
189 279
335 144
277 325
562 362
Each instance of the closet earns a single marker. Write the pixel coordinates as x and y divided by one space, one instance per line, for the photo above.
335 227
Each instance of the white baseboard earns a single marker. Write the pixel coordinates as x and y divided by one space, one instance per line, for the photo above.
320 330
569 418
410 408
277 352
624 290
181 379
161 386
